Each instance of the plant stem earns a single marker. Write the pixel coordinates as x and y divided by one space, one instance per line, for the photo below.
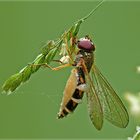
93 11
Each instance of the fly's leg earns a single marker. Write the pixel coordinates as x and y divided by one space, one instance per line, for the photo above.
58 61
52 68
82 63
62 66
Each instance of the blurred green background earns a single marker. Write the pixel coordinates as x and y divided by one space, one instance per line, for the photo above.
24 26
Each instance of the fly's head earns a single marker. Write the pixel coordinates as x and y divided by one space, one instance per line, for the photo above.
86 44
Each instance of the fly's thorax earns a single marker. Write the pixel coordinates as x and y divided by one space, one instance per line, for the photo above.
88 58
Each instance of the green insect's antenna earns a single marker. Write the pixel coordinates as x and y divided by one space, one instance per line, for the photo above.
48 52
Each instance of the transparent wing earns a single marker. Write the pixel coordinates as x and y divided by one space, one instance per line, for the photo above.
113 109
94 105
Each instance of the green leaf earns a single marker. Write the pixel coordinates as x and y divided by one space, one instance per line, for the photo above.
70 32
47 47
12 83
39 60
77 27
26 73
51 55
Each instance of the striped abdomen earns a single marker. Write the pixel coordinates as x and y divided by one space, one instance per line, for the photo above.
72 93
76 84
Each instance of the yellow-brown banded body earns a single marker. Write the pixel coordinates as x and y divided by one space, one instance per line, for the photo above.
76 84
102 100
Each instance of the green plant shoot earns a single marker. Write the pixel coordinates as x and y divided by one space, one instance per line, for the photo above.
48 53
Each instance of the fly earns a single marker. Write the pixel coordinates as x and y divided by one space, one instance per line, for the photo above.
102 100
85 78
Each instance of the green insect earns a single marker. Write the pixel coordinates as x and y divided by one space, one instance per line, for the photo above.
102 100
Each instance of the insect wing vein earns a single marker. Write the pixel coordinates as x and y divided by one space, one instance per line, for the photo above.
94 105
113 108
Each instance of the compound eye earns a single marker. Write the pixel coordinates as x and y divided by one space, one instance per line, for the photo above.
86 44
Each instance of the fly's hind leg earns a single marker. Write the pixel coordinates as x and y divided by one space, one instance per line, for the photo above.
62 66
82 63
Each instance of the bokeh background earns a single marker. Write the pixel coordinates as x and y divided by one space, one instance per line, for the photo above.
24 27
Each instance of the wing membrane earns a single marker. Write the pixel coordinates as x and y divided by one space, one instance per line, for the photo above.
94 105
113 109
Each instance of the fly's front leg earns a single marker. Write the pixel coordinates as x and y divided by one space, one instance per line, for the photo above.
52 68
